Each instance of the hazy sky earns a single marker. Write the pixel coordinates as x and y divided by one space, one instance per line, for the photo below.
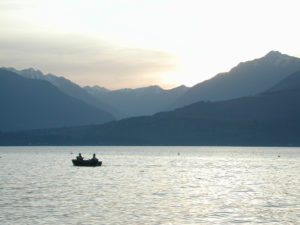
135 43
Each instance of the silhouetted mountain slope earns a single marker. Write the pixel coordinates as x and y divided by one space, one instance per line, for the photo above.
290 83
268 119
139 101
246 79
68 88
30 104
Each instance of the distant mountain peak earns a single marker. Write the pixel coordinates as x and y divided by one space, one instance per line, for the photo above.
278 56
274 54
96 88
31 69
273 58
181 87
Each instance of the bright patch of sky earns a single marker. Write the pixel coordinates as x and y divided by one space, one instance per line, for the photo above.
134 43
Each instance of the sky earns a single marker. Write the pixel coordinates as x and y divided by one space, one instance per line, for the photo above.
137 43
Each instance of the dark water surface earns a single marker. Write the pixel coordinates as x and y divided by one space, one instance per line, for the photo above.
150 185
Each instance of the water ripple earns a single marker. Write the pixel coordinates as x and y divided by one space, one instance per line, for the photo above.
150 186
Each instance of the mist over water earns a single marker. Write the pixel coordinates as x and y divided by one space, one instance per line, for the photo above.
150 185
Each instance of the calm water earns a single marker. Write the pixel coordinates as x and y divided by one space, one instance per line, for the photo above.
150 185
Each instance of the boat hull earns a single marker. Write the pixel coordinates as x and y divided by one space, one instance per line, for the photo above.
90 163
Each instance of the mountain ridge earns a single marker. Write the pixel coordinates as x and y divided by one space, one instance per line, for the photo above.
31 104
271 118
139 101
246 79
68 87
121 103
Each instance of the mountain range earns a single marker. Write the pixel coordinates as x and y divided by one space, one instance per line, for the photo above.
139 101
68 87
271 118
255 103
246 79
33 104
121 103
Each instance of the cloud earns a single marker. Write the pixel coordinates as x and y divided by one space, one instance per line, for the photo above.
86 60
31 35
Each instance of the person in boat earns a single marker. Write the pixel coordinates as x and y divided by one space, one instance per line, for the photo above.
79 157
94 158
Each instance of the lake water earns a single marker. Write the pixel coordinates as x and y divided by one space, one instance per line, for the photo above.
150 185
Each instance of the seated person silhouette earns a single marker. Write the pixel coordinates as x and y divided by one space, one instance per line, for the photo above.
79 157
94 158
